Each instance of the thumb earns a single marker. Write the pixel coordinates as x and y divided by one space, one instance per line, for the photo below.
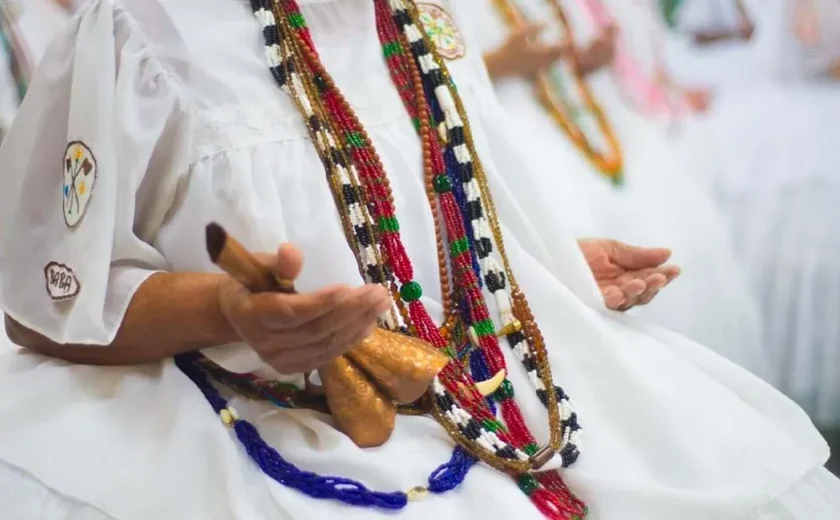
529 32
286 263
632 257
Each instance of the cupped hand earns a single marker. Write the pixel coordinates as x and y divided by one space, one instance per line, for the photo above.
522 55
300 332
599 53
627 275
698 99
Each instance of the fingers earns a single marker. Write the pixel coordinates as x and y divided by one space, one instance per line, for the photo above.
528 33
653 285
634 258
331 334
288 311
614 297
288 262
548 54
333 338
638 288
313 357
610 33
346 321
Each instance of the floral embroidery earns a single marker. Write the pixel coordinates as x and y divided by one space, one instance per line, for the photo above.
442 31
62 283
79 178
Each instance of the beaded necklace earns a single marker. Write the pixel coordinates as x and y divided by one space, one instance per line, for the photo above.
467 230
648 94
555 99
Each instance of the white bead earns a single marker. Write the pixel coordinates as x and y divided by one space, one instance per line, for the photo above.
462 154
412 33
265 17
502 302
484 444
274 55
427 63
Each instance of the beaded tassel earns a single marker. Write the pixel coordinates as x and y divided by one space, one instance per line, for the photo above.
456 187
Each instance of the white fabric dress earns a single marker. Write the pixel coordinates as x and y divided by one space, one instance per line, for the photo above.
775 135
186 126
719 64
662 202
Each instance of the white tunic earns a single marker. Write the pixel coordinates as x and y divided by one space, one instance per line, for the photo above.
174 100
723 63
774 131
661 203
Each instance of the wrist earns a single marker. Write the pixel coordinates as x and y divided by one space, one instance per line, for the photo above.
223 330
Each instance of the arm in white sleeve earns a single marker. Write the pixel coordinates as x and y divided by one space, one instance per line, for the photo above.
90 168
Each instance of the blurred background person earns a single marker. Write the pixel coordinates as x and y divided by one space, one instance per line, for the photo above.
611 165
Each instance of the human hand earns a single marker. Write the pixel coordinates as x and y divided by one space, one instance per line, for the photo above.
522 56
806 26
746 30
67 5
300 332
697 99
599 53
627 275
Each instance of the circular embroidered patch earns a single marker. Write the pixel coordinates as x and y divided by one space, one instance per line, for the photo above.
442 31
79 180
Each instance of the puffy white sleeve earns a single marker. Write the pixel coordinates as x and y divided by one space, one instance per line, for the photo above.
89 171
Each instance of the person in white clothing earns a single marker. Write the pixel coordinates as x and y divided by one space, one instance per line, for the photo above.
334 125
661 200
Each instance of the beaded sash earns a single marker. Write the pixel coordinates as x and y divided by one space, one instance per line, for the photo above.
471 258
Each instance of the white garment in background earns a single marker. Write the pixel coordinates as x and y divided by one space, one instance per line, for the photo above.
720 64
188 126
774 131
662 203
785 56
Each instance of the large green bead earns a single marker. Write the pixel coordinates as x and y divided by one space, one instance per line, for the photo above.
411 291
504 392
530 449
442 184
527 483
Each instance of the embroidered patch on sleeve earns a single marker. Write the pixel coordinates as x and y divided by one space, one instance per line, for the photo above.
442 31
79 179
62 283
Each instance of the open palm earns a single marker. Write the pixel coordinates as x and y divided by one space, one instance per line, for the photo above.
627 275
